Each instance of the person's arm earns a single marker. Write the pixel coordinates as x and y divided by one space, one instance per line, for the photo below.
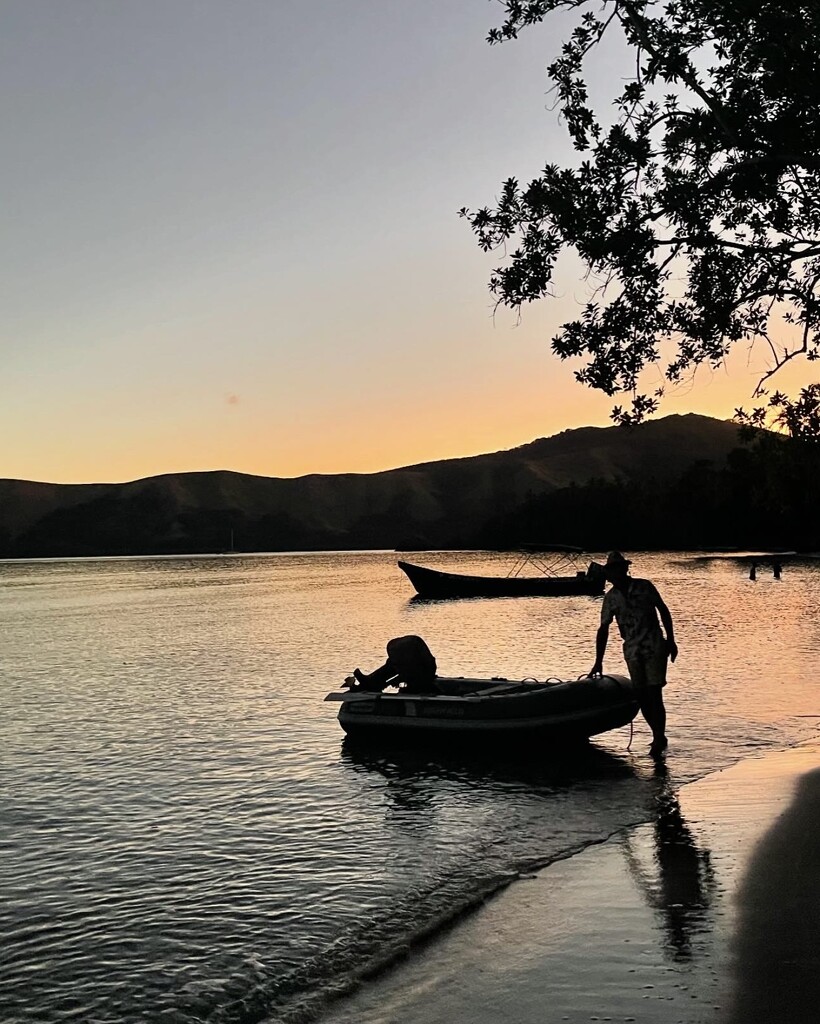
666 620
601 638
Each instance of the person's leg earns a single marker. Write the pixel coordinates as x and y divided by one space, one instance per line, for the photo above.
648 676
378 678
653 710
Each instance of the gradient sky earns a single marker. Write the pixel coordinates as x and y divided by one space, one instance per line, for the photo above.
231 239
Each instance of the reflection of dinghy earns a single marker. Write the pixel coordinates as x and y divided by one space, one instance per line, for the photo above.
491 711
552 581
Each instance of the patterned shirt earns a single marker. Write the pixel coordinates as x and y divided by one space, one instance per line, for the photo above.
635 608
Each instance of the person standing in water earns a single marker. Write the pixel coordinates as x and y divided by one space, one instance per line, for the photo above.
635 605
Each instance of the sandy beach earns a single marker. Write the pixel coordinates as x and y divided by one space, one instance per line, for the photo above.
709 913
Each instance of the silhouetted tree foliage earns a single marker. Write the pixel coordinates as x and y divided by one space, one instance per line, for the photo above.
695 204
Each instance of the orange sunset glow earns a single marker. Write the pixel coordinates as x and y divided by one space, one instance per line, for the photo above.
222 279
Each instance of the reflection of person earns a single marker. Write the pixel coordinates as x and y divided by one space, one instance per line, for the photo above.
684 883
409 661
777 568
636 604
753 571
684 872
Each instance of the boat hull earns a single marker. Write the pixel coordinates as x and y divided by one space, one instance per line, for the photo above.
432 583
491 712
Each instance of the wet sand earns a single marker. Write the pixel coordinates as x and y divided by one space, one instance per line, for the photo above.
709 913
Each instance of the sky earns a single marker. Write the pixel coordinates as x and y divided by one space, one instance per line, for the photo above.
231 241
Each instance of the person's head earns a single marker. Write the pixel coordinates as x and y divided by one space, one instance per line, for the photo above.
616 568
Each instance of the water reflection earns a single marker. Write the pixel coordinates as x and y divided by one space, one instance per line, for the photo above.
682 886
480 819
777 942
415 779
500 769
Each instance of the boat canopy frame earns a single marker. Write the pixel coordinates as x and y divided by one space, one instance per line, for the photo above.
565 559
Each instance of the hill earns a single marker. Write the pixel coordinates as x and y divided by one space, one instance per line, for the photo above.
446 503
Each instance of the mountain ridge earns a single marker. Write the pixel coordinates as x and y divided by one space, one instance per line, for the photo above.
431 503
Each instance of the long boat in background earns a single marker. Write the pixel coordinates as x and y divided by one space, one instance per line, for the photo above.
552 581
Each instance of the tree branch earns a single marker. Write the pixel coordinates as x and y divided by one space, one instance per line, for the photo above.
640 26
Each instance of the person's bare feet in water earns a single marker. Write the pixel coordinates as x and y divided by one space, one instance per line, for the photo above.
658 746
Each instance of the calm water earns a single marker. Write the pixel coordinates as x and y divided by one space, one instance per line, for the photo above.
184 837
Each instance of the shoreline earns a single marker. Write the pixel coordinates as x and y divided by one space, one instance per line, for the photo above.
675 920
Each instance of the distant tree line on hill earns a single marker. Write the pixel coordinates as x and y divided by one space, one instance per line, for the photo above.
766 496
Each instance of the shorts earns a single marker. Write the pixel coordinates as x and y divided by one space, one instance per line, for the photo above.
648 670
